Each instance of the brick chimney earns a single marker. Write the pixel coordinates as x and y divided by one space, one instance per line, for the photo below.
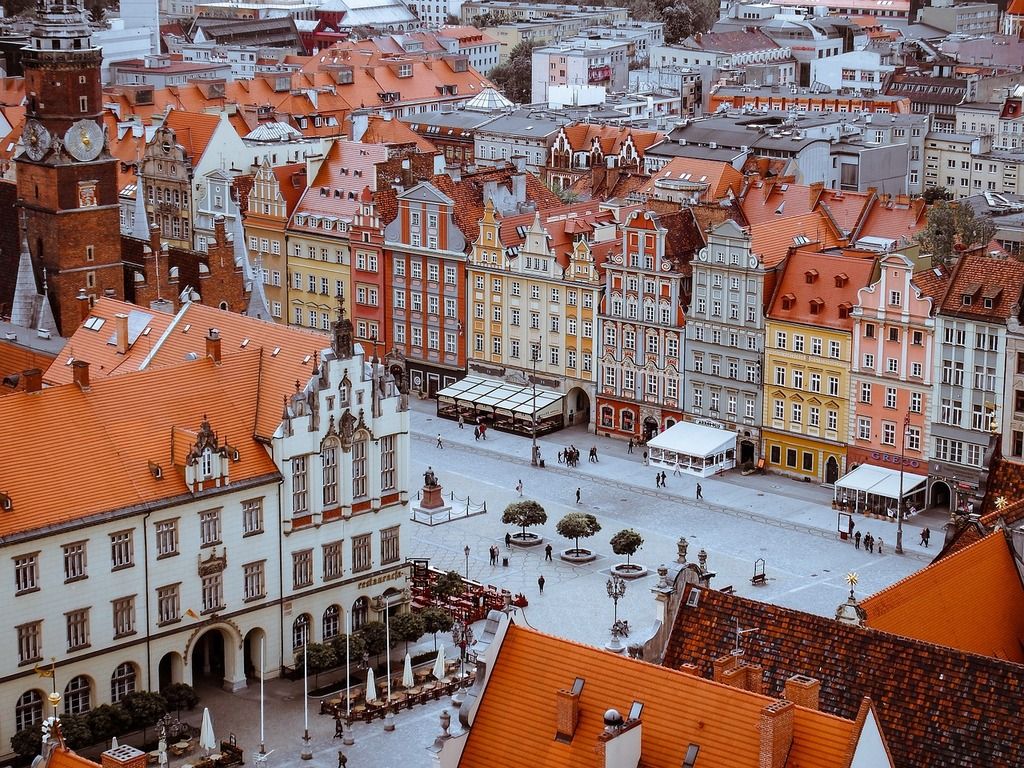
732 670
121 333
815 192
213 345
123 756
776 730
80 374
567 716
803 691
33 379
84 305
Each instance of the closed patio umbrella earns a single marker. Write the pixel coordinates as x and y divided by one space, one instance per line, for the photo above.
407 679
371 685
207 740
438 670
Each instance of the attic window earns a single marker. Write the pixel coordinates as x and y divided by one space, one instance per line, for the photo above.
801 240
405 70
810 275
94 323
844 309
788 300
987 302
816 306
691 756
841 280
968 299
6 504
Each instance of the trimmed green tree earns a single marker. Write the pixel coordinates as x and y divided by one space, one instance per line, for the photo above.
436 620
407 628
524 514
626 542
144 708
448 584
356 648
26 742
180 696
375 639
75 730
107 720
578 525
319 658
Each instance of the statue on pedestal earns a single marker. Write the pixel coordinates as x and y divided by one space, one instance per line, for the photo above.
429 478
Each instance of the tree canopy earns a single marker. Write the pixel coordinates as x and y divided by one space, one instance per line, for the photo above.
626 542
523 514
951 224
436 620
515 76
578 525
407 628
448 585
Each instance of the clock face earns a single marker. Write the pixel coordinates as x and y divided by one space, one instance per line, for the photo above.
84 140
36 139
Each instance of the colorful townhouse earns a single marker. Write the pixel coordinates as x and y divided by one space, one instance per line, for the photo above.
646 292
535 288
808 343
891 367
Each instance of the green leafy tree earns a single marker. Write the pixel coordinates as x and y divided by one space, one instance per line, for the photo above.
356 647
515 76
375 638
75 729
26 742
107 720
626 542
144 708
448 585
524 514
578 525
180 696
951 224
436 620
935 193
407 628
319 658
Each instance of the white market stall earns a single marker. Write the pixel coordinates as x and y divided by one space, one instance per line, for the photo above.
876 489
694 448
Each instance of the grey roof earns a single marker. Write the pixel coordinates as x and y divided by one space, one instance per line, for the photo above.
459 119
674 149
272 132
524 123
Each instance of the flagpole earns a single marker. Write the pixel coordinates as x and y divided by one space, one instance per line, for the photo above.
307 753
389 717
263 641
347 738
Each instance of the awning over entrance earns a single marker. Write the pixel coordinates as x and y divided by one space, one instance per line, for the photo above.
869 480
695 448
505 406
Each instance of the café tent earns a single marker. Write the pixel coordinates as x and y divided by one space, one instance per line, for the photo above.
869 486
695 448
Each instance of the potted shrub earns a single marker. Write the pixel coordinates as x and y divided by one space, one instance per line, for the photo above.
627 542
524 514
407 628
576 526
435 620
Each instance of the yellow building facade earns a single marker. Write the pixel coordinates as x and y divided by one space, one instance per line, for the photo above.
318 269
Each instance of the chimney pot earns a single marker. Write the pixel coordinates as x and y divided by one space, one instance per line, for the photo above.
84 305
567 716
776 732
33 379
803 691
121 333
80 374
123 756
213 345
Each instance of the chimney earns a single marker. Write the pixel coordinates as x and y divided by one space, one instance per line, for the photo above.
219 234
690 669
121 333
80 374
619 743
33 379
154 238
567 716
803 691
123 756
84 305
721 666
776 730
815 192
213 345
519 161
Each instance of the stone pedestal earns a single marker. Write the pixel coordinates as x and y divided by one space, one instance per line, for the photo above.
432 505
431 497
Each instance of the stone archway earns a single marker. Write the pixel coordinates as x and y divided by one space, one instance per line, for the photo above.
650 427
215 658
577 406
170 669
253 652
831 470
941 496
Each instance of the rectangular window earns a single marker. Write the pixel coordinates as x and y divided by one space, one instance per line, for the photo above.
333 560
791 457
780 339
124 616
808 461
798 342
780 376
833 349
813 416
302 568
387 462
122 554
77 629
300 497
780 409
209 527
358 469
75 561
254 584
168 604
252 516
796 413
888 433
26 573
30 642
913 438
890 397
832 423
833 386
329 474
213 592
815 346
863 428
389 545
362 556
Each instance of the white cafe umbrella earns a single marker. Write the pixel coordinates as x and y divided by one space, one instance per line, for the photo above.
371 685
407 679
438 670
207 740
113 742
162 748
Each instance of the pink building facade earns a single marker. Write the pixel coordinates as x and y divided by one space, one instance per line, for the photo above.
891 370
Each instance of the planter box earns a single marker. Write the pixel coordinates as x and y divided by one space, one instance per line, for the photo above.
531 540
577 555
630 571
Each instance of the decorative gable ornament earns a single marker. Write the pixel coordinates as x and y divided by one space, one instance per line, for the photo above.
207 461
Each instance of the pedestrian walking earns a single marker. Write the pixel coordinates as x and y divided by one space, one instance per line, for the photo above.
676 470
439 443
700 492
851 527
593 455
540 583
645 458
629 446
508 541
483 431
476 433
856 540
519 487
663 478
879 542
462 422
547 552
925 535
869 542
577 495
493 552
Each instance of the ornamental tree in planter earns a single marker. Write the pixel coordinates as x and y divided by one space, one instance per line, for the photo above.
576 526
524 514
407 628
448 584
435 620
627 542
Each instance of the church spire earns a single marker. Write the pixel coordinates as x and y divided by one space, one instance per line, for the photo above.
26 294
140 226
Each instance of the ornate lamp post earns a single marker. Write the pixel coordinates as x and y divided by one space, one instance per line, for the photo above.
462 636
616 587
466 553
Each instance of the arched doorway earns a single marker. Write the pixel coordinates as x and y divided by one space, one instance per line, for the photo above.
831 470
252 653
746 452
578 405
170 669
940 494
650 428
208 659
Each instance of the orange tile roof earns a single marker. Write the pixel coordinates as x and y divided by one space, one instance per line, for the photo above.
894 219
972 600
192 130
767 199
96 446
720 177
384 131
773 239
515 724
795 296
14 358
346 171
984 277
62 757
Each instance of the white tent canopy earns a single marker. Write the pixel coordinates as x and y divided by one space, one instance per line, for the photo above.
502 396
870 480
694 448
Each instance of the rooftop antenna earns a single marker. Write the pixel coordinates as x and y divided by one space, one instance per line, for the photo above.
737 650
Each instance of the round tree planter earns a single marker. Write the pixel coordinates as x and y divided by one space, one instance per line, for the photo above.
629 570
576 556
531 540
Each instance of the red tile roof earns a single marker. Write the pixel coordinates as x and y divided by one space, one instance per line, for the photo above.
348 169
985 280
938 706
823 281
721 178
14 359
382 131
192 130
773 240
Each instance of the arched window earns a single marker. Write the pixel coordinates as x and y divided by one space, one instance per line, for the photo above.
29 710
300 631
360 612
332 622
77 695
207 462
122 682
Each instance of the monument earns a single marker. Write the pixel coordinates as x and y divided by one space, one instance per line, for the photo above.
431 502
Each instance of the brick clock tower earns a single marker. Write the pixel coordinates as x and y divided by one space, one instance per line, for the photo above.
66 177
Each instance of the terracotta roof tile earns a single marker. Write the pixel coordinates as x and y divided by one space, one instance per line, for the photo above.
515 724
720 177
62 757
349 167
773 239
1006 481
193 130
381 131
972 600
938 706
820 280
14 358
985 280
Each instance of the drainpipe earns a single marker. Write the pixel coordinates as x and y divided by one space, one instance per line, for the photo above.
280 571
145 578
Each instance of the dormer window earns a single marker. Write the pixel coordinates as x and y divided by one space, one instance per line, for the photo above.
206 462
816 306
844 309
968 299
788 300
841 280
987 303
810 275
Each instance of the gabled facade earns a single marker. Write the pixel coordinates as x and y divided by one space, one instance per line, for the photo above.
725 338
165 183
891 370
580 147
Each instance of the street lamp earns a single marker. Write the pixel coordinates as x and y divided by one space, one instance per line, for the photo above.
462 636
616 587
535 453
466 553
899 502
